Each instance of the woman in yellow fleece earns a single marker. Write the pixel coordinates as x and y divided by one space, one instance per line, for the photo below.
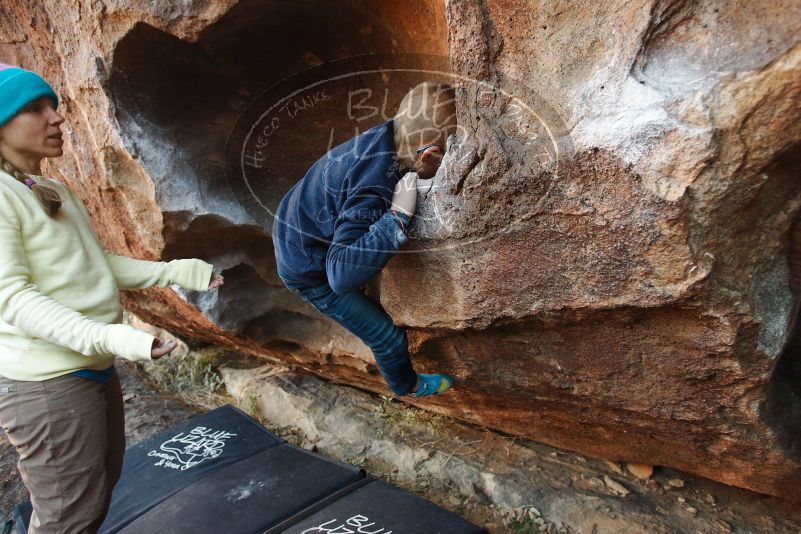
60 313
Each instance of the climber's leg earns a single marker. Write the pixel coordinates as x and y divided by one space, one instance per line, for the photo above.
363 318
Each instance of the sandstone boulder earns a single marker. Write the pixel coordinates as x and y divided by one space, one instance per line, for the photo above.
605 261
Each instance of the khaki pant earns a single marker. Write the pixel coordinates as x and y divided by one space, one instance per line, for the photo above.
70 436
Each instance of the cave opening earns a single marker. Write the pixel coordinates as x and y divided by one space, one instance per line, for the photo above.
178 103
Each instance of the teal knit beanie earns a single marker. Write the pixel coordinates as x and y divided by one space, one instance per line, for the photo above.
18 87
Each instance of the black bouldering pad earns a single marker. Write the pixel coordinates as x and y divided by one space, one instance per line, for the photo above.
21 518
249 496
224 472
172 460
379 508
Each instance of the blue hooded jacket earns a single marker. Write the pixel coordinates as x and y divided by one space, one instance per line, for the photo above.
334 225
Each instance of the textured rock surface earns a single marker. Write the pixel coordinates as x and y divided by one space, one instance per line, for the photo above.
604 261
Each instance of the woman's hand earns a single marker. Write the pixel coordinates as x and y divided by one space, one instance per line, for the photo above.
216 280
162 347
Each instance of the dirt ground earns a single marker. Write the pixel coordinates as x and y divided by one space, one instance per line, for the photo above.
604 497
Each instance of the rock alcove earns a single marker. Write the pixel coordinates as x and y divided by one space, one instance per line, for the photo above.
178 104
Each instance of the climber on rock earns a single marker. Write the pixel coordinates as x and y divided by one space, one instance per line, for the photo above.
339 226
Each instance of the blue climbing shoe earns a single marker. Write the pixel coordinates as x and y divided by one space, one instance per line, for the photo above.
433 385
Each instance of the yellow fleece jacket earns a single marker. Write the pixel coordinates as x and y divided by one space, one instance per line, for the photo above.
59 288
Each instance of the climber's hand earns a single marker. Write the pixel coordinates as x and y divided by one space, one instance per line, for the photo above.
162 347
404 199
216 280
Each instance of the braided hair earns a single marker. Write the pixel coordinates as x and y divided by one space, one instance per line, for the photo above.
47 194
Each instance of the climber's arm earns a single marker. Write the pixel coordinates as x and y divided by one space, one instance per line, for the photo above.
366 236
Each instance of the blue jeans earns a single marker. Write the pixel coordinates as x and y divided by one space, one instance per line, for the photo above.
367 321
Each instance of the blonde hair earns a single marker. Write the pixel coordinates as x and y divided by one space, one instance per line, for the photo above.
46 194
427 114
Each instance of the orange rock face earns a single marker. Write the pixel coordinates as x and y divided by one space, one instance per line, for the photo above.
603 261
